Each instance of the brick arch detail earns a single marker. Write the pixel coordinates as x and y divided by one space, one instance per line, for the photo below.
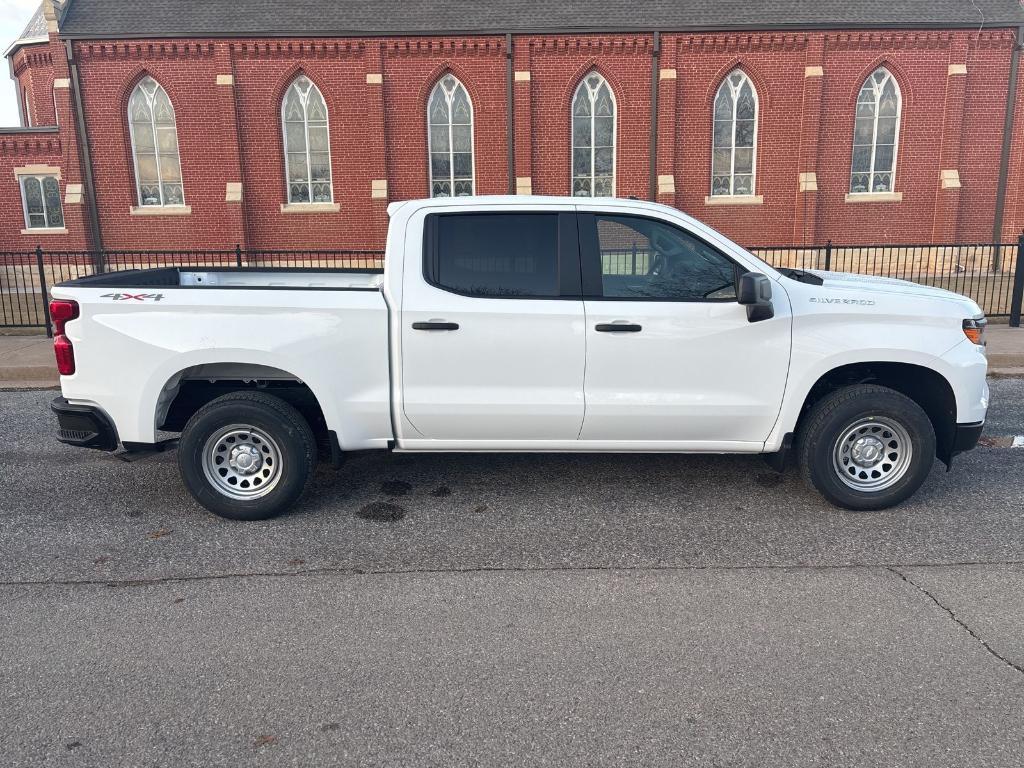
898 73
448 67
134 78
753 73
285 80
592 65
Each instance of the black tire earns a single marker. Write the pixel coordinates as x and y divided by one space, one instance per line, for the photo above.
885 412
286 437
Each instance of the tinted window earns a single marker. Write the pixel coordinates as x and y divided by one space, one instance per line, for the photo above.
500 254
647 259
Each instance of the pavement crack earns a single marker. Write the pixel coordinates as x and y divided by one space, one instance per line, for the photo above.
340 570
952 614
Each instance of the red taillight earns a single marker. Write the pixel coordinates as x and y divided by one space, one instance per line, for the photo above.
65 355
60 313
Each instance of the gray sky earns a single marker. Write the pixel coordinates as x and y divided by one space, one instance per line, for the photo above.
14 15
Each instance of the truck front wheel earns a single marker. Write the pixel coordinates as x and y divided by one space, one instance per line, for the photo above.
866 447
246 455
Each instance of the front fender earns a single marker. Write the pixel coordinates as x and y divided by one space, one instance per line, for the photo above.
824 345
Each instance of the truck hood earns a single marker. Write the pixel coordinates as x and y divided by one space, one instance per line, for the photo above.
863 284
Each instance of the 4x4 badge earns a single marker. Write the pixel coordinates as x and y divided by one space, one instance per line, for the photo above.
133 296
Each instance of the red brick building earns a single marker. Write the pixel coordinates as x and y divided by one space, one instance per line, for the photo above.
292 125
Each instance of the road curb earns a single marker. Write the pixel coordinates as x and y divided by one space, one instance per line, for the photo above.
28 386
29 373
1005 360
1007 373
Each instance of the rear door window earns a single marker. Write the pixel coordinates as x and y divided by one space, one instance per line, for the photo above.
499 255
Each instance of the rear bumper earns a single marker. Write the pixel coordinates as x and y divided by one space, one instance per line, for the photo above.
84 426
966 436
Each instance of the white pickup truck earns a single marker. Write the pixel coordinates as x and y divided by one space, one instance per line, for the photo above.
523 324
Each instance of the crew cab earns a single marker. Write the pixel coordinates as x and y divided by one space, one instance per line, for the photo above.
522 324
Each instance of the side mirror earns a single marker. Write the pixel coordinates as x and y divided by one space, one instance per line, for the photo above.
754 291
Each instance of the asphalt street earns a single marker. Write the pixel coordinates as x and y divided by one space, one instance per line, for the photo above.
524 610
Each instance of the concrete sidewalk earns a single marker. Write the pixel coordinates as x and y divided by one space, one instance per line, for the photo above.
26 362
1005 351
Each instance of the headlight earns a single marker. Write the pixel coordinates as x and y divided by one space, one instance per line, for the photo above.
974 329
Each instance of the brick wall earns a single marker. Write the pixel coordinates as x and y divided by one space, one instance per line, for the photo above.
33 71
19 150
227 96
775 66
29 149
557 65
188 74
53 145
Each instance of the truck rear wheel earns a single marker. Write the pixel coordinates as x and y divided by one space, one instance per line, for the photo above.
246 455
866 447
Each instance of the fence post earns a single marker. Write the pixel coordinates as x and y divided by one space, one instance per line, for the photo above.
828 256
238 255
44 293
1018 284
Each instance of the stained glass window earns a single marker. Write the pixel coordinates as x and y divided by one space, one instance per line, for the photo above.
734 144
155 145
593 138
876 132
307 143
40 197
450 126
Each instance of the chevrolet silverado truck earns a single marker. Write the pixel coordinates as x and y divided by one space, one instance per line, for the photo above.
522 324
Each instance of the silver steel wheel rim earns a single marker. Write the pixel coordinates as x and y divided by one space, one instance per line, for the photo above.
242 462
872 454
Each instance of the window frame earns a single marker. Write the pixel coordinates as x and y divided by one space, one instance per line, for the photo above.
567 270
590 259
305 131
156 147
451 145
874 133
732 148
39 177
593 150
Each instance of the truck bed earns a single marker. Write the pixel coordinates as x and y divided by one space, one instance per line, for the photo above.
320 328
236 277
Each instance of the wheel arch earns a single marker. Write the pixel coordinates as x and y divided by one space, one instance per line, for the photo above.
190 388
927 387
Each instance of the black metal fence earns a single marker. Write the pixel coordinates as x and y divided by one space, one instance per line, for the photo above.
26 278
990 273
